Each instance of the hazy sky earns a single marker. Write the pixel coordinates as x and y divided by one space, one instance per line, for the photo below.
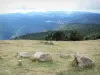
12 6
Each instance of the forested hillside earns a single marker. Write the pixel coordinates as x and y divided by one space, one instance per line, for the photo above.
88 31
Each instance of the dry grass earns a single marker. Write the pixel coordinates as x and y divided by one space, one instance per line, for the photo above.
59 66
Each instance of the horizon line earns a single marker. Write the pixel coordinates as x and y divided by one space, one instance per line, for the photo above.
70 11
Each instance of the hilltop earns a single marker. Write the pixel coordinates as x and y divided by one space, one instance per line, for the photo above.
59 66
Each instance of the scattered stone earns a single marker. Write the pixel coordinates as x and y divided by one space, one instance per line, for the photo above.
65 56
83 61
41 56
49 43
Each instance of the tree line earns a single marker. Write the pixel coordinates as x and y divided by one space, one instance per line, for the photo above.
69 36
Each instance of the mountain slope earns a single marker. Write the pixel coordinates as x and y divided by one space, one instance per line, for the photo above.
83 29
12 25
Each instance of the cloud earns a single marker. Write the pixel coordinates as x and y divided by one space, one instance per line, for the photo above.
42 5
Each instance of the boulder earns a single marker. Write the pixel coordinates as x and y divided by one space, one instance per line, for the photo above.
25 54
41 56
83 61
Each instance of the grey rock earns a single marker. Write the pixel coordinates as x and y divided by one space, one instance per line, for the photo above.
83 61
41 56
25 54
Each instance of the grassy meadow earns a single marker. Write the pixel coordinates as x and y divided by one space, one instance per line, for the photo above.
59 65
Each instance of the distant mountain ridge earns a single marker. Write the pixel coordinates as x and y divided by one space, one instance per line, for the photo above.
16 24
84 29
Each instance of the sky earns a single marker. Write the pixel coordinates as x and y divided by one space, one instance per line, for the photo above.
24 6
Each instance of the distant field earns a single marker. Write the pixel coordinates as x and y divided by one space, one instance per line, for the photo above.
59 66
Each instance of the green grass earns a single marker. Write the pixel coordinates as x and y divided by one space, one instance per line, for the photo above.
59 66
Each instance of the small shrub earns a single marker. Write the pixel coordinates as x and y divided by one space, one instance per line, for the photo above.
74 63
19 62
1 57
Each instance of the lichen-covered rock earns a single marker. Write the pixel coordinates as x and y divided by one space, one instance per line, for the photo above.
83 61
41 56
